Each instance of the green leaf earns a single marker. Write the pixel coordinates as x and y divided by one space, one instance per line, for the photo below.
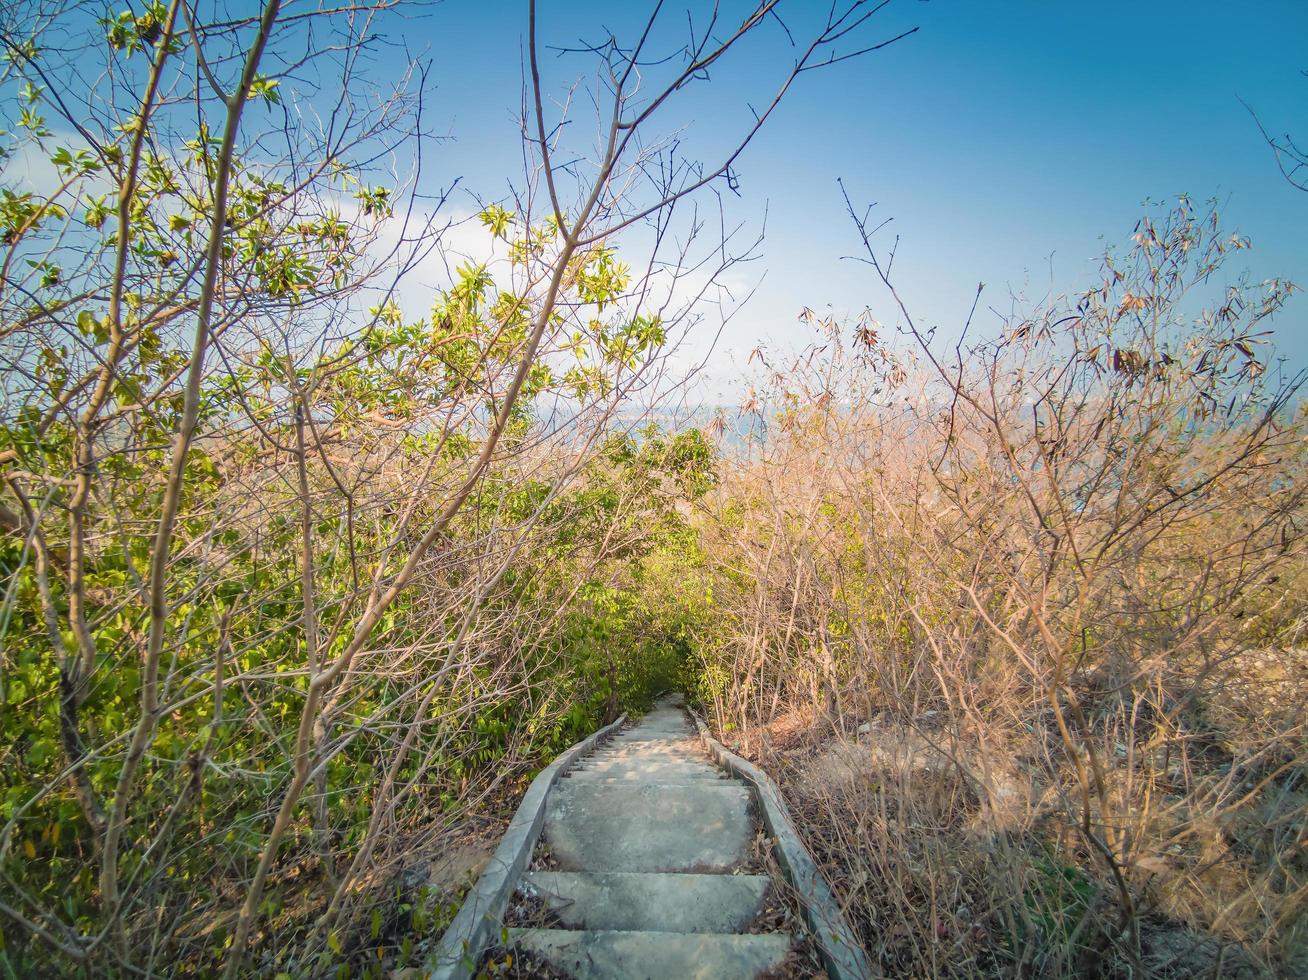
41 751
265 88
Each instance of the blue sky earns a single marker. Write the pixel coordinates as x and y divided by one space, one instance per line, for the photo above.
1010 141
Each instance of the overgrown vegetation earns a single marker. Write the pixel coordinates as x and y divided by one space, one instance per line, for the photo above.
303 565
1022 625
302 576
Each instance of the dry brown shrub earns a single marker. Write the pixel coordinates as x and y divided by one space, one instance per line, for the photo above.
1057 580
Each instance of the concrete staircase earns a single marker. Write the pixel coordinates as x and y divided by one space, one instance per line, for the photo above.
650 838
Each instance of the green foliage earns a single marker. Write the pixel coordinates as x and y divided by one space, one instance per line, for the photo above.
628 634
331 426
610 554
1058 902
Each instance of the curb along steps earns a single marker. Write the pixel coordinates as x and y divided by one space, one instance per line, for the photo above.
477 924
841 953
648 830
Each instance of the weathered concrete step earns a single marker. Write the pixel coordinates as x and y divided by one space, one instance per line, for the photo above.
656 751
647 760
651 747
639 736
671 723
654 745
666 727
653 758
650 769
646 827
655 955
663 754
632 779
650 902
660 719
648 750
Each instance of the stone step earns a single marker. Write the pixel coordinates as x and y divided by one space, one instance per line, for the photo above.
612 757
654 762
650 769
646 827
643 760
637 737
650 902
649 750
662 718
659 723
647 760
666 779
654 955
632 744
645 749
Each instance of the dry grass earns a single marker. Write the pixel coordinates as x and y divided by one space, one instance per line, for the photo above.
943 877
1021 630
